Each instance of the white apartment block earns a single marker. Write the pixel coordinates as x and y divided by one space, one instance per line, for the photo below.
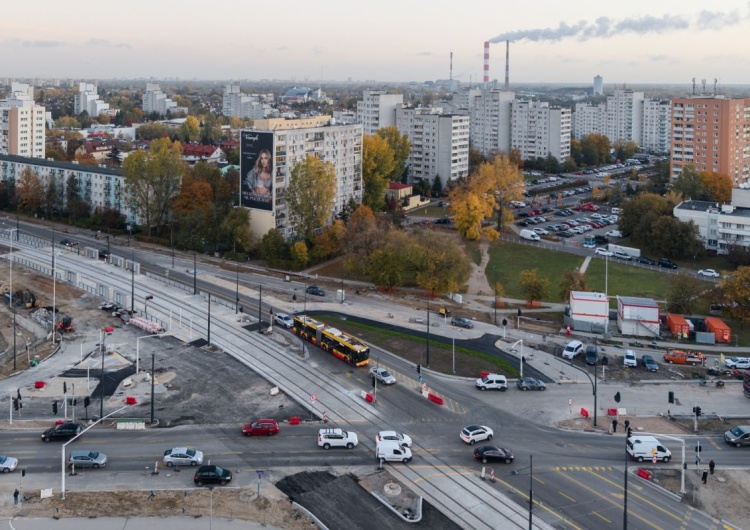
22 123
154 100
720 226
490 121
588 119
598 86
463 100
655 131
378 109
294 140
439 144
538 130
624 116
239 105
88 100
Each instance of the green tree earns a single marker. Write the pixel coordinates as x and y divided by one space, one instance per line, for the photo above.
311 194
534 287
76 206
210 132
684 293
152 178
475 159
673 238
659 182
387 268
236 227
378 164
572 280
625 150
690 184
400 147
440 263
273 249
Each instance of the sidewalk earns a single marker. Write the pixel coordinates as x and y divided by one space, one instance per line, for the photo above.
134 523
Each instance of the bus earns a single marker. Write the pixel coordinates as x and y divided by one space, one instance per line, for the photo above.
746 383
332 340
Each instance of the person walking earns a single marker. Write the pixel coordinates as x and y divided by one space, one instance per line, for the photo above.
614 426
711 466
15 496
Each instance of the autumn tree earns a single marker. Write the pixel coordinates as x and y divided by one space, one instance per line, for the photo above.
29 192
717 187
625 149
190 130
572 280
684 293
311 194
595 149
152 178
378 164
364 235
534 288
195 194
400 147
440 263
735 293
300 254
690 184
330 242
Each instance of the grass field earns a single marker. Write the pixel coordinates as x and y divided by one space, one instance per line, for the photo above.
627 280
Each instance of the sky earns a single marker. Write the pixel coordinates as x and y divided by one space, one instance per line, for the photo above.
638 41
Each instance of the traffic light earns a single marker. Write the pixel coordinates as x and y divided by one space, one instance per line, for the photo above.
505 322
23 472
65 387
630 432
617 397
86 401
54 407
697 412
15 403
671 397
419 368
698 448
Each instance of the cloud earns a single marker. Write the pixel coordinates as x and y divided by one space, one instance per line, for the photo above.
36 43
282 48
661 58
104 43
423 54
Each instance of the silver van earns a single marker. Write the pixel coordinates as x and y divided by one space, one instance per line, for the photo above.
738 436
573 349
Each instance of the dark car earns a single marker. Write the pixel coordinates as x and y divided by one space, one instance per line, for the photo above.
529 383
462 322
645 261
491 453
649 364
212 475
590 357
601 240
64 431
315 290
443 221
667 263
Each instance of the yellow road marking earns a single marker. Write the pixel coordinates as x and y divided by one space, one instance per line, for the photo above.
601 517
571 499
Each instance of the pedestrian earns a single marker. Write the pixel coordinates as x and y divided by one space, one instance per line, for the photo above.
697 459
614 425
627 425
711 466
15 496
704 477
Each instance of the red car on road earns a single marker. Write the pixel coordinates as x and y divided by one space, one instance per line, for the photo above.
261 428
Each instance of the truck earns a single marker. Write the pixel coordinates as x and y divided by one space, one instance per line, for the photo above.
633 252
529 235
684 357
677 325
719 328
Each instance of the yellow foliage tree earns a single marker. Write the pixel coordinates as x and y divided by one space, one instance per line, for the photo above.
299 254
735 290
378 164
718 186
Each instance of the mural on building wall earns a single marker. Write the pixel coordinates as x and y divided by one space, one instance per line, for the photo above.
256 170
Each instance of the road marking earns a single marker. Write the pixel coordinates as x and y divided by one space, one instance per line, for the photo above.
537 479
600 516
571 499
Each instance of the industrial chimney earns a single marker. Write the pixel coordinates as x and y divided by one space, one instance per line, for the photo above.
507 65
486 62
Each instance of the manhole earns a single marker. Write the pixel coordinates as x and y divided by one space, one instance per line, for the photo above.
392 490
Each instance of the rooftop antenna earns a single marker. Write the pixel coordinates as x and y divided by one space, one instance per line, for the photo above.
693 86
703 85
450 77
716 82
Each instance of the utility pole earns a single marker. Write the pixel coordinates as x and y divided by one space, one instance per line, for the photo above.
195 272
152 388
208 338
260 301
132 281
427 358
237 292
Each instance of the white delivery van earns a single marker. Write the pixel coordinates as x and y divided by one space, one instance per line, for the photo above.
530 235
392 451
646 447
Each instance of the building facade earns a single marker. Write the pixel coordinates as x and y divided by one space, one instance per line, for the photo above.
711 133
154 100
378 109
22 123
624 116
439 144
720 226
589 119
239 105
598 86
538 130
655 131
490 121
87 99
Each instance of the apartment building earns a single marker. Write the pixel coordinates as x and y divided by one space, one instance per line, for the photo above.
720 226
235 103
439 144
598 86
22 123
101 187
154 100
711 133
491 121
589 119
538 130
290 141
87 99
378 109
655 130
624 116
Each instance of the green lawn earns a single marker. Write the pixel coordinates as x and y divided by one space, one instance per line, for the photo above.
627 280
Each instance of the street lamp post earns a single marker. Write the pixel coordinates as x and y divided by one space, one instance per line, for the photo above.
208 332
145 304
260 302
54 286
427 358
494 290
12 305
138 350
512 348
237 292
195 272
171 243
132 281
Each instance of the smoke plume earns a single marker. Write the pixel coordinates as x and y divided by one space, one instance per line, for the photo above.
604 27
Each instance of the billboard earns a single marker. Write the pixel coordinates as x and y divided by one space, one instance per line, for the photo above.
256 170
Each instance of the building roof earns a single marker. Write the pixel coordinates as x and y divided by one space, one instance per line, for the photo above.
589 296
398 186
636 301
297 92
198 150
56 164
697 205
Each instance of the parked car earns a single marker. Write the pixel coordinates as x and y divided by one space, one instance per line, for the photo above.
393 436
630 359
572 349
328 438
741 364
649 363
443 221
267 427
212 475
183 456
382 375
733 361
541 231
667 263
315 290
529 383
64 431
619 254
708 273
462 322
492 382
284 320
604 252
87 458
613 233
591 355
645 261
8 463
491 453
475 433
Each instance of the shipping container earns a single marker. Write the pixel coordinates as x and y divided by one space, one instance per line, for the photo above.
677 325
719 328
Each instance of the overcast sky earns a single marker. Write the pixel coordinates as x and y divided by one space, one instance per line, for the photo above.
638 41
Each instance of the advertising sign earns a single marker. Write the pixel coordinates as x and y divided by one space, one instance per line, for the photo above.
256 170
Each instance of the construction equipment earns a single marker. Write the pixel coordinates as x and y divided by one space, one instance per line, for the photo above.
66 324
444 312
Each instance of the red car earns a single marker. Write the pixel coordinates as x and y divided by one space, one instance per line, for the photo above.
261 428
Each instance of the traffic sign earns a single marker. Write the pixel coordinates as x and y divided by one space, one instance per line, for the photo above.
653 459
313 397
570 402
424 387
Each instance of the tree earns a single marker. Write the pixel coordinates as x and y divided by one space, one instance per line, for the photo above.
363 237
659 183
400 147
152 178
152 131
469 210
625 150
572 280
735 293
569 165
300 254
195 194
639 215
236 227
690 184
475 159
440 264
311 194
717 187
684 292
75 204
387 268
378 164
515 157
533 287
737 256
190 129
273 248
53 198
595 149
551 164
210 131
330 242
29 192
499 182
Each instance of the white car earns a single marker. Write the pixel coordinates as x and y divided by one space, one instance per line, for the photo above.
614 233
708 273
476 433
631 360
604 252
382 375
541 231
737 362
284 320
8 463
183 456
328 438
393 436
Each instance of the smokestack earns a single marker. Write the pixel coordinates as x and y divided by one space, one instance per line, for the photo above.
486 62
451 72
507 65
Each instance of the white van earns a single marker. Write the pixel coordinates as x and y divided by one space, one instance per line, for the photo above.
646 447
530 235
392 451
